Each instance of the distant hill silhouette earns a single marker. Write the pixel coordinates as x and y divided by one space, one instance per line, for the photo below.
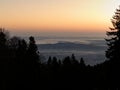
71 46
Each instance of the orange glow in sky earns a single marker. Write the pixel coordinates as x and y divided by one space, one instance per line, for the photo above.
55 15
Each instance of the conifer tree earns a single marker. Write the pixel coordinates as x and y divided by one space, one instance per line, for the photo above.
113 40
33 50
3 38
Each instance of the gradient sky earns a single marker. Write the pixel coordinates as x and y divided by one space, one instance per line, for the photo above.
57 15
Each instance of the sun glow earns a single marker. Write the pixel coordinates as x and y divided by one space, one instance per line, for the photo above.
55 15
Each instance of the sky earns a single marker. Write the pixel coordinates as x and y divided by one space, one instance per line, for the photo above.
57 16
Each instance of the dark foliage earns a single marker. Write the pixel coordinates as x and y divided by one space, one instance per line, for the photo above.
113 52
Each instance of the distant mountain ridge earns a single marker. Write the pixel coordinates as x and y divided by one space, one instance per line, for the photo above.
65 45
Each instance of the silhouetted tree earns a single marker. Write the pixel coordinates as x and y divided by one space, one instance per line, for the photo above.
73 57
67 61
55 64
3 38
111 68
3 42
5 59
82 63
33 50
2 57
14 42
31 64
49 61
59 62
113 42
74 60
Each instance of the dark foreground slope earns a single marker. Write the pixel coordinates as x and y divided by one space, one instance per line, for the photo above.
21 69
